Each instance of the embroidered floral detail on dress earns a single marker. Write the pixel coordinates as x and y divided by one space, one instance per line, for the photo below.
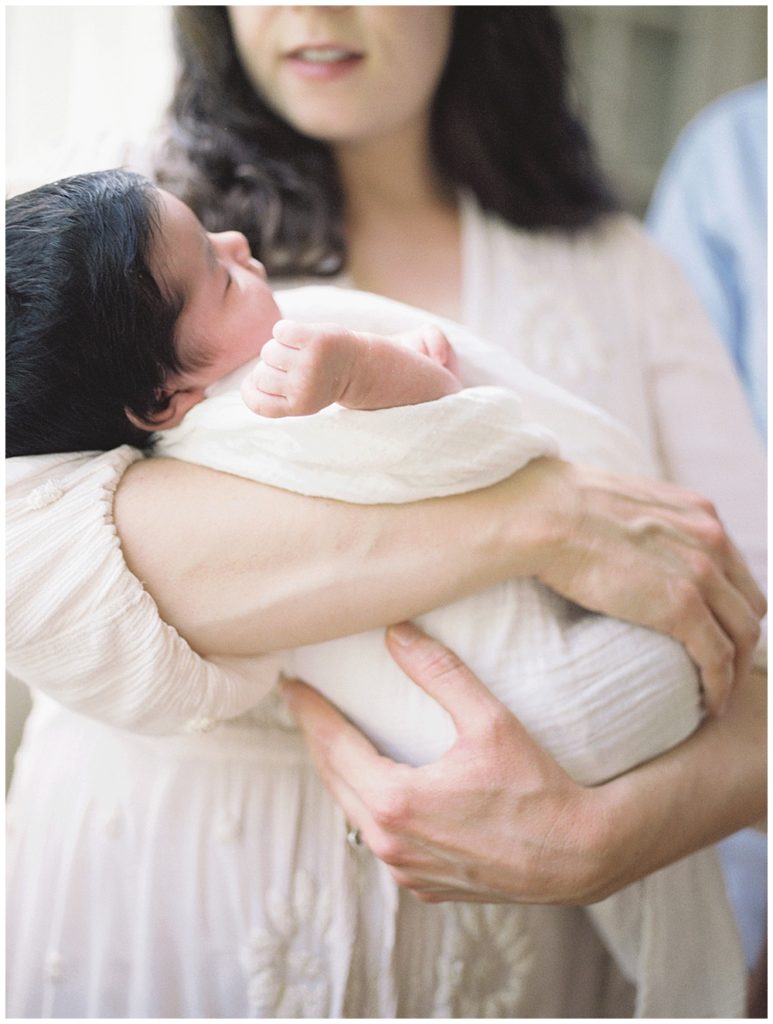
200 725
289 963
485 962
556 339
46 494
53 965
228 827
112 823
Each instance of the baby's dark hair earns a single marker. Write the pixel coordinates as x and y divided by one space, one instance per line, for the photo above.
89 333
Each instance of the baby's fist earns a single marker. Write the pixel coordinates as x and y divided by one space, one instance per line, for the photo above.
303 368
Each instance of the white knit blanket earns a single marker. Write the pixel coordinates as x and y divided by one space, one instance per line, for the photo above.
599 694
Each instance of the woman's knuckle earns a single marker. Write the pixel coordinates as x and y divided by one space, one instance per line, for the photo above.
723 657
687 598
707 505
647 528
699 501
702 569
438 662
388 848
390 809
749 632
425 897
712 535
401 877
497 723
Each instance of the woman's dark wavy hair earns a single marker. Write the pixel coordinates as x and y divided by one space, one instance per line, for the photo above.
88 331
501 128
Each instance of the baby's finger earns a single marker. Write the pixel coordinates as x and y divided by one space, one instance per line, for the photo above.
280 356
272 406
292 333
269 380
262 403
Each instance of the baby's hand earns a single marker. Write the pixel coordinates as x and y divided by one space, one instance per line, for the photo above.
302 369
431 341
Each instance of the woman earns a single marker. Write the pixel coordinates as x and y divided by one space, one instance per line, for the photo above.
219 869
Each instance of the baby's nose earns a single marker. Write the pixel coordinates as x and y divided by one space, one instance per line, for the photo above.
235 244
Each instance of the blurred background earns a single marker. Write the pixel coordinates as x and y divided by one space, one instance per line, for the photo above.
84 81
86 87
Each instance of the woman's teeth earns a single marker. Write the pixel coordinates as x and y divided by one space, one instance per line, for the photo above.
323 55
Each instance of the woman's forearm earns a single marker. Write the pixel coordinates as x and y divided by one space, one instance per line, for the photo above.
242 568
711 785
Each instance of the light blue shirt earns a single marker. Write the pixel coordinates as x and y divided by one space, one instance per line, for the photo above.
710 212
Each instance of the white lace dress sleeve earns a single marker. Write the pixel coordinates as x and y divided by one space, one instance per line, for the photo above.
80 627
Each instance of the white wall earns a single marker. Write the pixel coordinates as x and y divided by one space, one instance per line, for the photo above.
82 83
85 86
641 73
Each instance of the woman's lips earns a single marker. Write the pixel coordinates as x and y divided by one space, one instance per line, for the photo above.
323 63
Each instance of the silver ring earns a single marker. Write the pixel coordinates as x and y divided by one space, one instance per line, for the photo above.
354 838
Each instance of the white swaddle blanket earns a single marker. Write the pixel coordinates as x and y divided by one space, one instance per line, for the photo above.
599 694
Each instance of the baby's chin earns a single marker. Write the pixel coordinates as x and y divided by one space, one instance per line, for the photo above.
232 381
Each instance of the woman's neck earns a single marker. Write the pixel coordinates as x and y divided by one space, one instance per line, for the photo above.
402 225
391 173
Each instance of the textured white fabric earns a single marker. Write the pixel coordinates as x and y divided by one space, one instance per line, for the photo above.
384 456
207 874
70 600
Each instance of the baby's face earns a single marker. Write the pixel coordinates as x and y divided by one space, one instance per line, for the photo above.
228 309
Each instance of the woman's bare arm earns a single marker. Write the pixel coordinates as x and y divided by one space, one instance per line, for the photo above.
496 819
242 568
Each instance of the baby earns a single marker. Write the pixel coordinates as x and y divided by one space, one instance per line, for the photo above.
122 310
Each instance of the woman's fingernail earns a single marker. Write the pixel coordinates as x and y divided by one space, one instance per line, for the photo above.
404 633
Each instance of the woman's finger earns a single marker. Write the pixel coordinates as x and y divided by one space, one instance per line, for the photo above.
348 763
739 575
439 672
712 651
716 623
734 613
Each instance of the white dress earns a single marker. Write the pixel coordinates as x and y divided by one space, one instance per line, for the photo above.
205 873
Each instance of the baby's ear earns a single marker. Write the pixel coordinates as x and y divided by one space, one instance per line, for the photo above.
179 403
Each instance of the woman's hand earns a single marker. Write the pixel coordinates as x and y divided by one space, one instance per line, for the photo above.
656 554
496 819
